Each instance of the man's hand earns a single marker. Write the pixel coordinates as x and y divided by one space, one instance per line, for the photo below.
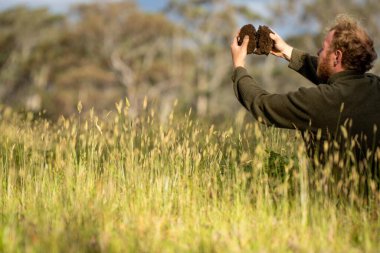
239 53
280 47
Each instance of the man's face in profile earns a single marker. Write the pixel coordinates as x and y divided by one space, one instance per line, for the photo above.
325 59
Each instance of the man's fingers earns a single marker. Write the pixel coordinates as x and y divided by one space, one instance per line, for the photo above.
236 37
275 53
234 42
245 42
273 36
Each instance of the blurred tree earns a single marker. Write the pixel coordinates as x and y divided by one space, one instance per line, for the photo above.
127 47
21 31
100 52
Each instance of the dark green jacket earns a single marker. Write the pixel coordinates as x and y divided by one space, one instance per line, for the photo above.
319 107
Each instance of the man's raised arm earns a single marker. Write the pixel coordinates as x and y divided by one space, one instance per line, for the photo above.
290 110
299 61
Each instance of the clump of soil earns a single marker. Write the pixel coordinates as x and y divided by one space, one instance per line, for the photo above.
259 42
249 30
264 42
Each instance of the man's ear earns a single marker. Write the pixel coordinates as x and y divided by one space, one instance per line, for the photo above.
338 56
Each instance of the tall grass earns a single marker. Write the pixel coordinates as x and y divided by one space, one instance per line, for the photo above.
121 184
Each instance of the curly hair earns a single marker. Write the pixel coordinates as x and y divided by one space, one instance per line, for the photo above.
358 52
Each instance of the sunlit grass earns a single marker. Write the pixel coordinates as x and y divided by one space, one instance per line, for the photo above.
117 184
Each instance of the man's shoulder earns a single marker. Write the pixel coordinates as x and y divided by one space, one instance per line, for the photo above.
372 79
372 76
352 79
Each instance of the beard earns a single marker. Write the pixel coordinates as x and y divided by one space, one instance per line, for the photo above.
324 70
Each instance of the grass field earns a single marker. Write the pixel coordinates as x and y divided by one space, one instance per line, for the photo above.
116 184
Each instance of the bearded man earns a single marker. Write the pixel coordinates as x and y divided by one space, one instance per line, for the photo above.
345 100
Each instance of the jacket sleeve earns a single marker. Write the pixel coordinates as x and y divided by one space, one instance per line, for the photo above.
305 64
291 110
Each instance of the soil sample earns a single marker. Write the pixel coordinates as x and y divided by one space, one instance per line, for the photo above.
264 42
259 41
251 32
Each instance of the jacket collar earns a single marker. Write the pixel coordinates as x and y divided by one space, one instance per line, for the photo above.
342 74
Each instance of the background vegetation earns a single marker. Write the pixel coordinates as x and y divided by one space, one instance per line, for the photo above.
101 52
158 156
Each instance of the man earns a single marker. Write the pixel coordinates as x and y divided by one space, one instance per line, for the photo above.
344 93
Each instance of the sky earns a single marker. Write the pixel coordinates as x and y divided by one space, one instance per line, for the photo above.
63 5
147 5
